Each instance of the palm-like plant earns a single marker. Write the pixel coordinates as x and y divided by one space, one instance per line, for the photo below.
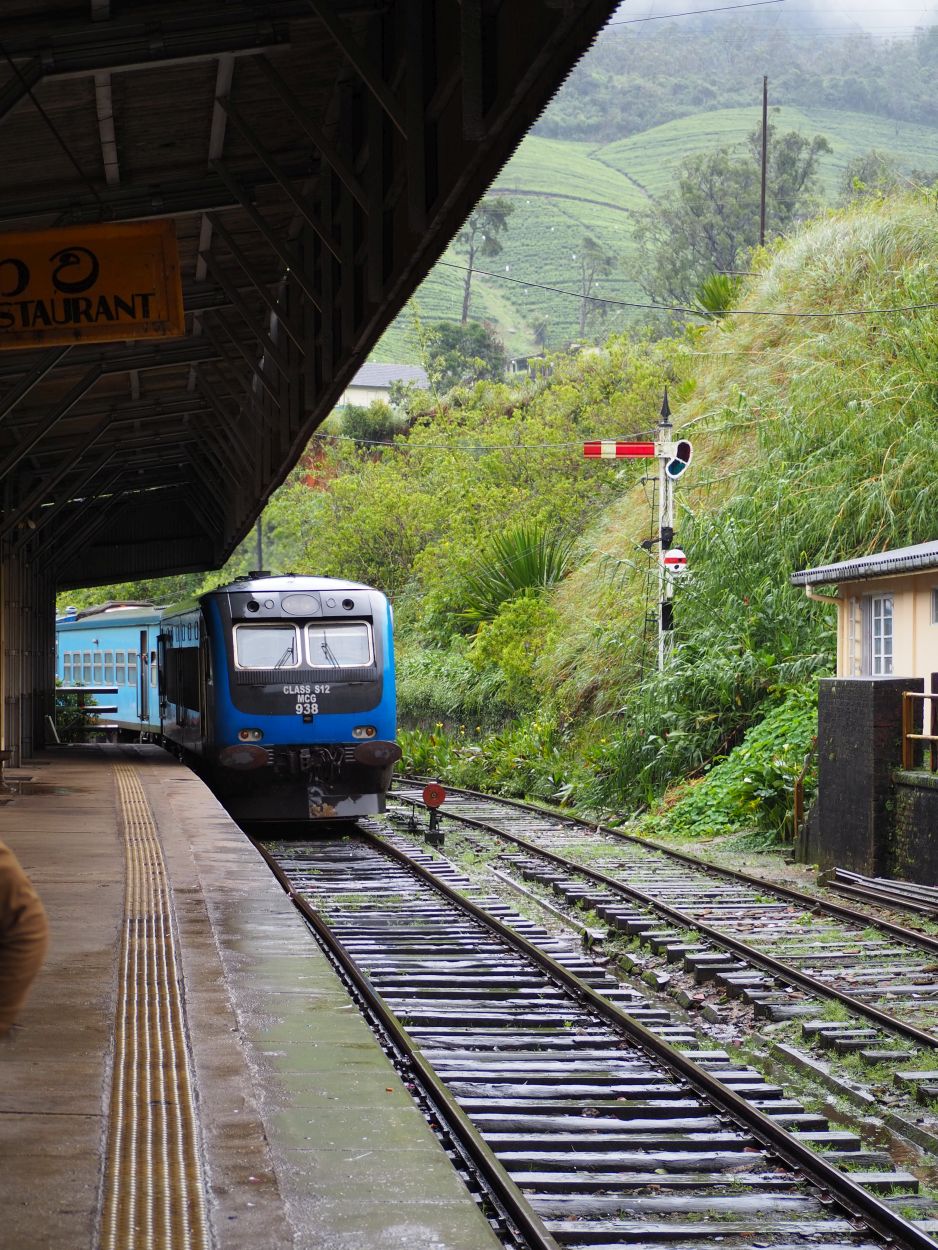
717 294
528 557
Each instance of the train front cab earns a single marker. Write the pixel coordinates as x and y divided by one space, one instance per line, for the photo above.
293 681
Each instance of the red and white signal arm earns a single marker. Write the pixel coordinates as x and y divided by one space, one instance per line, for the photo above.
674 560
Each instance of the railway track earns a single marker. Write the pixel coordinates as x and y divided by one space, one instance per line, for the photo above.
787 955
585 1127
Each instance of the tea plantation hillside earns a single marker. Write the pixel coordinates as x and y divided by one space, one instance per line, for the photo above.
563 189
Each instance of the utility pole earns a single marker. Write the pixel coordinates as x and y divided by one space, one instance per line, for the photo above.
765 152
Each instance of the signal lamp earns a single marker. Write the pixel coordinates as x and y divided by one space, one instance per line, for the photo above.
683 452
250 735
364 731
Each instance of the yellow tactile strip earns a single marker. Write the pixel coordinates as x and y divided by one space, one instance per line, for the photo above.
154 1195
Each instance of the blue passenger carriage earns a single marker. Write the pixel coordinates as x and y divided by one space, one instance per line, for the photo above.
113 644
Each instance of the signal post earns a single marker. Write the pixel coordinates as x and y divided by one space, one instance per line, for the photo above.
673 458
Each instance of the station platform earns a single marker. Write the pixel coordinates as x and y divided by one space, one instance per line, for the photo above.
188 1070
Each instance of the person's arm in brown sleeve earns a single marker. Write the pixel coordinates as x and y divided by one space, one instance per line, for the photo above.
24 935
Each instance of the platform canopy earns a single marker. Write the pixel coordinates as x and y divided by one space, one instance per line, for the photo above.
314 157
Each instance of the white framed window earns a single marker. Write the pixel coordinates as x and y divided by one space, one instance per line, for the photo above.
66 668
109 668
98 661
131 668
881 635
153 669
267 646
120 668
86 668
934 605
339 644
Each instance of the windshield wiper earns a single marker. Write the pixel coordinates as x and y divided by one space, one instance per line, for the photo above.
289 654
328 653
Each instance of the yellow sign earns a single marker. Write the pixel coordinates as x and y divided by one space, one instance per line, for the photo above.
103 283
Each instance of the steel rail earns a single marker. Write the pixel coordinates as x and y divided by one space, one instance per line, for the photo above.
858 1202
769 963
506 1192
924 940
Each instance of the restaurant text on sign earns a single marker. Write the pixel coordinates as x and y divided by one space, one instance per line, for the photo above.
101 283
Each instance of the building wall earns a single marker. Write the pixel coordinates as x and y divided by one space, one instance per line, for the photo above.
362 396
915 637
915 840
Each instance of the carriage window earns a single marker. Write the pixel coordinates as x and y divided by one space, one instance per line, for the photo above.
66 668
345 644
86 668
120 672
153 668
266 646
131 668
98 661
109 668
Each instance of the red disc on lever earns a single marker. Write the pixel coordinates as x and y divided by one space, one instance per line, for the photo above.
434 795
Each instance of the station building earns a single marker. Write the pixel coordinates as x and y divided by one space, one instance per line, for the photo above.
877 808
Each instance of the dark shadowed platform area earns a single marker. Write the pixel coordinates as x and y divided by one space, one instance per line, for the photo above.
301 1132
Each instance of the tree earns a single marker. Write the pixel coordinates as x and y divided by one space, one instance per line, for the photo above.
595 262
375 424
460 354
711 219
871 173
540 329
479 237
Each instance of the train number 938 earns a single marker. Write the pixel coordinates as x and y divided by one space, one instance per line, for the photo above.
308 708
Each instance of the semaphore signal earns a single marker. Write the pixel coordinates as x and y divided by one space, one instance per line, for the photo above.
673 459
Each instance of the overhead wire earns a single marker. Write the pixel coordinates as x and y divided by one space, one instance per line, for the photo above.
695 312
661 17
383 442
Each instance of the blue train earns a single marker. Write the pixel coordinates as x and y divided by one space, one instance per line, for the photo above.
279 690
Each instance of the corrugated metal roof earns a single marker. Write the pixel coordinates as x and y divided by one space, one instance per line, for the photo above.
383 375
902 560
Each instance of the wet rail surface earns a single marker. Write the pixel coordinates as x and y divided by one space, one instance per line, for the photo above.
610 1136
753 941
922 900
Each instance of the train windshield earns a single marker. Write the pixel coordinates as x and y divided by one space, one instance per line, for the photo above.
345 644
266 646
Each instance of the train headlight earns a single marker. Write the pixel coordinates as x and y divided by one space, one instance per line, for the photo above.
250 735
364 731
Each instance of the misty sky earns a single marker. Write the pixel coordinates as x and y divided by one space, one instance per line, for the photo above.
876 16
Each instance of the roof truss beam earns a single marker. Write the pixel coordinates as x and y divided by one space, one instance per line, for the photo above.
121 47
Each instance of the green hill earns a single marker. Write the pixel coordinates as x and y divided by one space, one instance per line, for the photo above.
563 189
